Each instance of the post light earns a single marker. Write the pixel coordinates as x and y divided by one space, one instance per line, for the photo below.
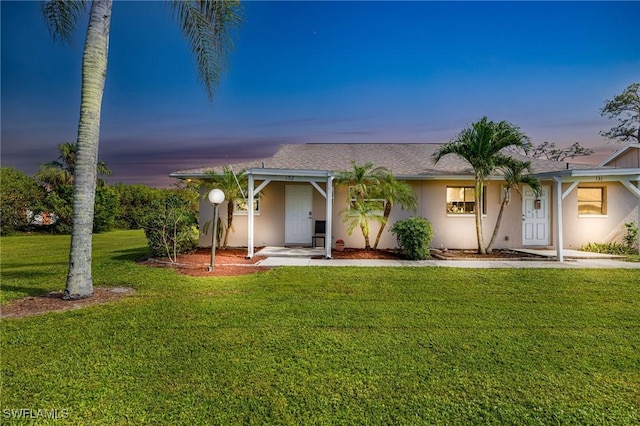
216 197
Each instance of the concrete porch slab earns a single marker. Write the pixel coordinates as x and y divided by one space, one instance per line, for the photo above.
303 252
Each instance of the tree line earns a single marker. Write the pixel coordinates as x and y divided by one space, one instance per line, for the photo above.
44 202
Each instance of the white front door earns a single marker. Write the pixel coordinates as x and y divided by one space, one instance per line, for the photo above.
298 214
535 217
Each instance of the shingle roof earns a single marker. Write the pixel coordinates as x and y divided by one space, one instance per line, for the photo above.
402 159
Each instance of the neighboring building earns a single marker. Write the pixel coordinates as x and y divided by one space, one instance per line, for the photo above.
296 188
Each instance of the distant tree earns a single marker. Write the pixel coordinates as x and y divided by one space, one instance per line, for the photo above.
19 194
62 171
393 192
625 108
235 187
481 145
514 177
549 151
205 24
363 183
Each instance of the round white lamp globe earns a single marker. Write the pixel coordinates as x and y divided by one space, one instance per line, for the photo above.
216 196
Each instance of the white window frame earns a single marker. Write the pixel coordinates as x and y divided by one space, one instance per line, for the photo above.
353 200
240 207
603 201
451 213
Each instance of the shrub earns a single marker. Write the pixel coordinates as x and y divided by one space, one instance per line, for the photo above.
19 194
171 227
106 205
608 248
414 237
631 237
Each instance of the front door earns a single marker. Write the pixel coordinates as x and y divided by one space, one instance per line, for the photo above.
297 220
535 217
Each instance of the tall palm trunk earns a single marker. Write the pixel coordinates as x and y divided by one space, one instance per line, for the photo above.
478 213
230 209
383 222
94 70
496 228
365 234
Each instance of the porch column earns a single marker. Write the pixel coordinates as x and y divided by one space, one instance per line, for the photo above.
329 217
250 197
558 217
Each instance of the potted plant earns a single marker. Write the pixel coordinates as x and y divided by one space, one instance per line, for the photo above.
339 245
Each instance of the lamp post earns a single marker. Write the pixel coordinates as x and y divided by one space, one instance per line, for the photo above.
216 197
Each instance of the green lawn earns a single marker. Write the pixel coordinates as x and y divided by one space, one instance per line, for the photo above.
321 345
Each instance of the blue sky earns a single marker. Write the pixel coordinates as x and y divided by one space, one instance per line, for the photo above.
319 72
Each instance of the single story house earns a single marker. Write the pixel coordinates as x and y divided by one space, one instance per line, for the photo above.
296 188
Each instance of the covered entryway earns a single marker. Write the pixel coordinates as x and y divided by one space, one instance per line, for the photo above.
297 205
535 217
628 177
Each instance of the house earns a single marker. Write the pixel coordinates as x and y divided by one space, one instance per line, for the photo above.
295 188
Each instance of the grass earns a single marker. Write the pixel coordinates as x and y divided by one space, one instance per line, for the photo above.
322 345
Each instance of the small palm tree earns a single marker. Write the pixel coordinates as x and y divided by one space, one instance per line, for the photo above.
206 25
235 187
363 181
481 145
514 177
394 191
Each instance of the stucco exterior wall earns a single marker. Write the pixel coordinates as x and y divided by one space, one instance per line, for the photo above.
451 231
622 207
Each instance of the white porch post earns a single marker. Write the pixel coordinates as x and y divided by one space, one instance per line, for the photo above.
250 197
558 217
329 216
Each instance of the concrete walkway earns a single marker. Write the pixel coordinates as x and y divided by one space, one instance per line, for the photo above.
567 264
280 256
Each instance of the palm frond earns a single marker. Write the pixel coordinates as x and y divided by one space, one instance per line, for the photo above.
62 16
207 25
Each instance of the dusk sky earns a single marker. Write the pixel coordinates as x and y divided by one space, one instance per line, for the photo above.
319 72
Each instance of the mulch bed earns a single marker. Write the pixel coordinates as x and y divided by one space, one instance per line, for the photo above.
53 302
228 262
501 254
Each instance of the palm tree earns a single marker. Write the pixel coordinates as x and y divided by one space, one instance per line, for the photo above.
481 145
205 25
394 191
363 182
235 187
514 177
61 172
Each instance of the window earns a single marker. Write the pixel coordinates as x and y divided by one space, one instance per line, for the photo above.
462 200
242 206
374 206
591 201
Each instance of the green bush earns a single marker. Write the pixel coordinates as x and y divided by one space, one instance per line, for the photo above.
414 237
631 237
171 227
60 202
609 248
106 205
19 194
